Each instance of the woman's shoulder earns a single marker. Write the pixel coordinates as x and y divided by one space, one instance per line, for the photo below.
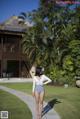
43 75
35 77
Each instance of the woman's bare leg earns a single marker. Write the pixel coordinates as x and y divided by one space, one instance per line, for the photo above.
41 98
37 104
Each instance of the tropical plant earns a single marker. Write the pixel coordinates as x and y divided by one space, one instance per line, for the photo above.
54 39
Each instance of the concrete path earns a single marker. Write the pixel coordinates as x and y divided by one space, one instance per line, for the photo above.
29 100
15 80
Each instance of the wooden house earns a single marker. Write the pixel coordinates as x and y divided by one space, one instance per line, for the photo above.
13 62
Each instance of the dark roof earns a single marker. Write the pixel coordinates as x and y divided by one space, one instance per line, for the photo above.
12 28
14 25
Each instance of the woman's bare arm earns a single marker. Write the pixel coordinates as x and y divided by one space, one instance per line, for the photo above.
32 72
47 80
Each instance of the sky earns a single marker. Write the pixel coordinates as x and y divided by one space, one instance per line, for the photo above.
9 8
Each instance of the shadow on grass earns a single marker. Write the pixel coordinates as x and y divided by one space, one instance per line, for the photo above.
49 106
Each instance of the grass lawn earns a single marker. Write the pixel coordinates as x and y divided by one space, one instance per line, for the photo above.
70 101
15 107
70 98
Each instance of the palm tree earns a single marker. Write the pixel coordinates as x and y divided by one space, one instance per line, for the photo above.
47 40
22 18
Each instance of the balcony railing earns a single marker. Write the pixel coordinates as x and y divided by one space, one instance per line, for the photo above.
12 48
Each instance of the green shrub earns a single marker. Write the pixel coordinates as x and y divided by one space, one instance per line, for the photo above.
61 77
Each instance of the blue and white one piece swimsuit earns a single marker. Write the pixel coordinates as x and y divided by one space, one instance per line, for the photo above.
38 83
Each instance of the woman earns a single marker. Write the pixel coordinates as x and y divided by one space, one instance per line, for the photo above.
38 90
